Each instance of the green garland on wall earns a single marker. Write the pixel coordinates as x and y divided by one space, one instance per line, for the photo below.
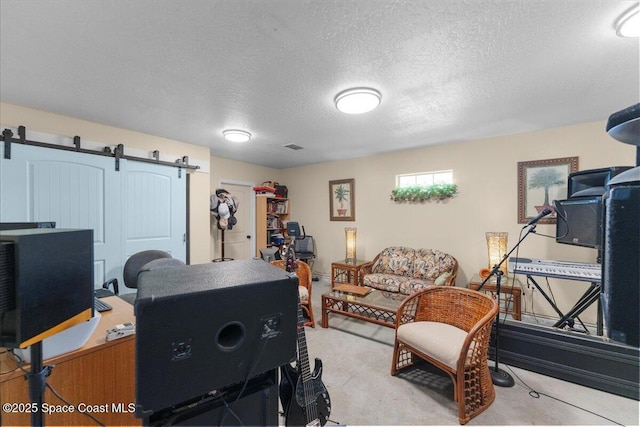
420 193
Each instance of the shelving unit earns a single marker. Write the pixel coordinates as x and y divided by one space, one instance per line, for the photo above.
271 215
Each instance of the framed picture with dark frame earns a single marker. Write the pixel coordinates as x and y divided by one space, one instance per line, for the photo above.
540 182
342 200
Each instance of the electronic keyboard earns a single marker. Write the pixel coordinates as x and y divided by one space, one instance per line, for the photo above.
561 269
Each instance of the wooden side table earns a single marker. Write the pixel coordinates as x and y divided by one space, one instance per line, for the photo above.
510 294
344 272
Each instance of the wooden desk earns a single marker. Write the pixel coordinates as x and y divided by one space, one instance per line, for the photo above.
99 377
510 294
343 272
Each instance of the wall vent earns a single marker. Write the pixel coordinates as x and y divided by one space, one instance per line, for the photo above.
293 146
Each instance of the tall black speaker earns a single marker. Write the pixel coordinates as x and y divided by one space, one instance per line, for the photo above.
621 264
206 327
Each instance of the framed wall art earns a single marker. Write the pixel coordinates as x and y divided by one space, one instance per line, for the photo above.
342 200
540 182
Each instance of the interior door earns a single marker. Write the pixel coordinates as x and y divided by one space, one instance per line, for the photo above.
237 241
154 208
75 190
141 206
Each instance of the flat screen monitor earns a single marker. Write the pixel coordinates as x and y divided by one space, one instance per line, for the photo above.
270 254
293 229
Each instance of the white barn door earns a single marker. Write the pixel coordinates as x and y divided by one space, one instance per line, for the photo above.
73 189
154 208
141 206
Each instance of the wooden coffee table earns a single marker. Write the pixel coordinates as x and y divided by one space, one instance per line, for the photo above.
377 307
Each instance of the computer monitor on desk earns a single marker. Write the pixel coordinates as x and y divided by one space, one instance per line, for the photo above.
46 283
270 254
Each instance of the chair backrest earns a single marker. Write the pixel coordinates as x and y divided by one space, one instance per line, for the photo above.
293 229
459 307
303 271
306 245
134 265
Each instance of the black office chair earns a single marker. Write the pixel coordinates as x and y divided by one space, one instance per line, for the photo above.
303 244
142 261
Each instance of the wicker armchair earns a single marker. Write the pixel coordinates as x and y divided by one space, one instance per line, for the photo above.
450 328
305 281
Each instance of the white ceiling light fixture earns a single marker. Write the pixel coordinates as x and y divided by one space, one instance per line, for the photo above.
629 24
236 135
358 100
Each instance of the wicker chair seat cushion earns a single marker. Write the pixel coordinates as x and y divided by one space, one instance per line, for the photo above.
304 294
439 341
385 282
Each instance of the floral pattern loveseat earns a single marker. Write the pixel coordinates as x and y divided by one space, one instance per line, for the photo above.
405 270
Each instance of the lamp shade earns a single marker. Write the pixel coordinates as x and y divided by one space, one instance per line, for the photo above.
496 248
350 239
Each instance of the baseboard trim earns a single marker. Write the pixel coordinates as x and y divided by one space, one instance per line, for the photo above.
582 359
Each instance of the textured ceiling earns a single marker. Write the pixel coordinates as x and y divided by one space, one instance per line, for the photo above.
448 70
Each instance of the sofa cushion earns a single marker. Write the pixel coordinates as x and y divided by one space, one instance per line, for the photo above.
303 293
414 285
442 279
385 282
439 341
431 263
395 260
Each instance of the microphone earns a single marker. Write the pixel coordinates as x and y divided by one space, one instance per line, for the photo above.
539 217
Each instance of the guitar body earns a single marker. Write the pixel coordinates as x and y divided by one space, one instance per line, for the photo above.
304 397
293 400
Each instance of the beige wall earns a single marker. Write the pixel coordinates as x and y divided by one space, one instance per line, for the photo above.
486 174
40 121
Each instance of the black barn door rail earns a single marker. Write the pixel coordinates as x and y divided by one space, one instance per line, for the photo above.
117 153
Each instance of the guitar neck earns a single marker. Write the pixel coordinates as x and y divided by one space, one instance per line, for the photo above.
303 356
311 409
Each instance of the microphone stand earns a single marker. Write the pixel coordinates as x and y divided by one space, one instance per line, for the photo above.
499 377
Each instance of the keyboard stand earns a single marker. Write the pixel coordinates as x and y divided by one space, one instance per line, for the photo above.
589 297
549 300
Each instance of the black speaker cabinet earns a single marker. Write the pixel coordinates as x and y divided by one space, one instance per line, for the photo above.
621 264
579 221
46 283
253 404
593 182
205 327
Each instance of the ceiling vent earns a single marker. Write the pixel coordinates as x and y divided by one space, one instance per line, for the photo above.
293 146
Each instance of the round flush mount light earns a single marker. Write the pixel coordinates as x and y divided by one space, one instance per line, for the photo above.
629 24
358 100
236 135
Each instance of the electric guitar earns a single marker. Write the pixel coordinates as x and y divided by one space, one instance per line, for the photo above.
303 395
